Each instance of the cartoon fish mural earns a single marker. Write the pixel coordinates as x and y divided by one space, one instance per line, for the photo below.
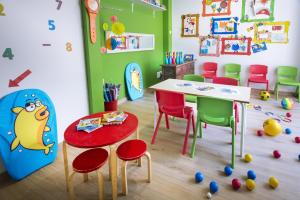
30 125
135 80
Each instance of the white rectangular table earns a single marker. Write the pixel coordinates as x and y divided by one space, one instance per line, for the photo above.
238 94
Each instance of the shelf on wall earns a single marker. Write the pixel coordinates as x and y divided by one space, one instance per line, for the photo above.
145 3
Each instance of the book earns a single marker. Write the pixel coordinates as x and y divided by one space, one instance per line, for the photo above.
89 125
114 118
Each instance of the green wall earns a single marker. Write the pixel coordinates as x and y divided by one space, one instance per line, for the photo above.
111 67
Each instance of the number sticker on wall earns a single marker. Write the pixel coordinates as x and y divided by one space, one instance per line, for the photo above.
1 10
51 24
59 4
8 54
69 47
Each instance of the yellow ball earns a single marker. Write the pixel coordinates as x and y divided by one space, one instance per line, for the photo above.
118 28
272 127
250 184
248 157
273 182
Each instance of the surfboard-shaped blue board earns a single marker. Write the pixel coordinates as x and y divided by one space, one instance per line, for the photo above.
134 81
28 132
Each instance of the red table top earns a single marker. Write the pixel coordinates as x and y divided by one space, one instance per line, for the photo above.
104 136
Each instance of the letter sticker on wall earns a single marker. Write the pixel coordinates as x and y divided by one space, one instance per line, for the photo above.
51 25
8 54
59 4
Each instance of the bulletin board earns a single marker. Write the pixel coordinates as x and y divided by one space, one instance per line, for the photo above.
216 7
271 32
226 25
257 10
236 46
209 46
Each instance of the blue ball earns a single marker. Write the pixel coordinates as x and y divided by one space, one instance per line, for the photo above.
288 131
228 170
213 187
199 177
251 175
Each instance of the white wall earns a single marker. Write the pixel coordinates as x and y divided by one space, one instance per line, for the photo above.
59 73
277 54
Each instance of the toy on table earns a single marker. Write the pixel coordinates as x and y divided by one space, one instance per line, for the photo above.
273 182
288 131
276 154
264 95
199 177
297 140
248 158
236 184
272 127
251 174
287 103
250 184
213 187
228 170
260 133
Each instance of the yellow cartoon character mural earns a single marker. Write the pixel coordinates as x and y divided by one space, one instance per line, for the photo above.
135 80
30 125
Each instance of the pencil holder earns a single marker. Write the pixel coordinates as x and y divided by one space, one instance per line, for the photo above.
111 106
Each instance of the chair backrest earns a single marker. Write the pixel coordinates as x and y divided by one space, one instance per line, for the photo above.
258 70
225 81
193 77
171 103
215 111
210 66
232 68
287 72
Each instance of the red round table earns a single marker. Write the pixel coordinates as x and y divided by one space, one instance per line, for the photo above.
104 136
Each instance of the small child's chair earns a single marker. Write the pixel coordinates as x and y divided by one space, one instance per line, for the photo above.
86 162
233 71
209 70
192 77
258 74
132 150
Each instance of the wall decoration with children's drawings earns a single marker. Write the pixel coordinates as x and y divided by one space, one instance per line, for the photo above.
209 46
236 46
121 41
216 7
257 10
190 25
133 42
226 25
271 32
256 48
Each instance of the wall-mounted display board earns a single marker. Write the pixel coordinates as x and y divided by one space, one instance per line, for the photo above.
236 46
190 25
209 46
129 42
227 25
257 10
271 32
216 7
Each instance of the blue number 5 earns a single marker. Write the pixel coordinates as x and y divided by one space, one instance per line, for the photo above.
51 25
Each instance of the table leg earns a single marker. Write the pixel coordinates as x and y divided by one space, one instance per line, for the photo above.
66 165
138 137
113 171
155 109
243 128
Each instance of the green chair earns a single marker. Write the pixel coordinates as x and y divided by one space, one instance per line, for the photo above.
233 71
192 77
218 112
287 75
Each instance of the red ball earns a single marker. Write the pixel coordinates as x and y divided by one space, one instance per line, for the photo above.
260 133
288 114
236 184
297 140
276 154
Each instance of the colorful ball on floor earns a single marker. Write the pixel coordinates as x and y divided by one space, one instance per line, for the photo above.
213 187
236 184
288 131
250 184
287 103
248 158
251 175
264 95
199 177
276 154
272 127
260 133
228 170
273 182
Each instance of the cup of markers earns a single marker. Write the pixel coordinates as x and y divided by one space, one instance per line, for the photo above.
111 93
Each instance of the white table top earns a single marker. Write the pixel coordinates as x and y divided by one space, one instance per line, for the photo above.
234 93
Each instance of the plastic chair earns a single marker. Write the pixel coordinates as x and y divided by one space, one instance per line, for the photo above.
209 70
218 112
132 150
258 74
86 162
287 75
173 104
192 77
233 71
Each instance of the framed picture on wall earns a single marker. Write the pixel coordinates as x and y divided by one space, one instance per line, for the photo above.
190 25
209 46
216 7
188 57
236 46
121 42
226 25
254 10
271 32
133 42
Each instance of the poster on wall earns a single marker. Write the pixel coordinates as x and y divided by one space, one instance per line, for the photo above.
121 41
216 7
271 32
256 48
257 10
190 25
209 46
236 46
226 25
133 42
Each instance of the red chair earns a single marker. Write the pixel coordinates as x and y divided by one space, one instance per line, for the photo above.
258 74
209 70
229 81
173 104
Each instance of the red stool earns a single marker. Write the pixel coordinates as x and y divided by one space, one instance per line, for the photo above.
132 150
86 162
